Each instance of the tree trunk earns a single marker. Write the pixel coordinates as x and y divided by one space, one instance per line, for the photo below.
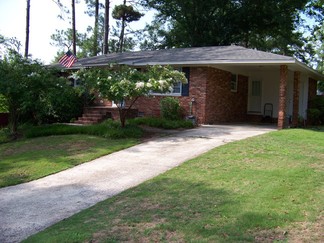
106 27
13 120
122 32
95 32
73 28
123 111
122 116
27 28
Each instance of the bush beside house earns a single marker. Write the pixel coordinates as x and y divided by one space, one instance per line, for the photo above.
315 113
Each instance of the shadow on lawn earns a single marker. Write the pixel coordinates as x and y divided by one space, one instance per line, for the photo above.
164 209
178 211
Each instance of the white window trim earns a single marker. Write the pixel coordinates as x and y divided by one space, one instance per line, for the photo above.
166 94
170 93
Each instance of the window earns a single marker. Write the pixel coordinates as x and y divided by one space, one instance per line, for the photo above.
234 83
176 89
255 97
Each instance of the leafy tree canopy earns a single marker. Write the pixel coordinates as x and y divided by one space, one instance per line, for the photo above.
266 25
34 92
128 13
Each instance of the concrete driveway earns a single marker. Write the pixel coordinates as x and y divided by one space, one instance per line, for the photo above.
31 207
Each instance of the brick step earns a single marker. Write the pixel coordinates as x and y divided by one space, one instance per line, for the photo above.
95 119
100 112
93 115
85 122
88 115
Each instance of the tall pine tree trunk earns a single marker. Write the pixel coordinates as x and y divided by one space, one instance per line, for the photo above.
106 27
73 28
27 28
95 32
122 32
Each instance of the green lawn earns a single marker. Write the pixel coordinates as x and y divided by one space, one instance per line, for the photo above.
262 189
30 159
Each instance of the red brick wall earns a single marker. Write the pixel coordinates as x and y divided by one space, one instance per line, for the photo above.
223 105
282 97
214 101
198 91
150 106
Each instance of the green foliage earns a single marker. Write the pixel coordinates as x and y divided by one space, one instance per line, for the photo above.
35 93
124 84
317 43
3 104
106 129
170 108
62 105
161 123
315 113
127 13
8 45
192 23
4 135
320 86
63 38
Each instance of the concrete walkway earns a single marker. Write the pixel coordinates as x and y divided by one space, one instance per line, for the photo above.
31 207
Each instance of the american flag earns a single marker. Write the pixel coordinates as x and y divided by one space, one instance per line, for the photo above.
68 59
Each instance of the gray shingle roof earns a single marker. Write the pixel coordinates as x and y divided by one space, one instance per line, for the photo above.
192 56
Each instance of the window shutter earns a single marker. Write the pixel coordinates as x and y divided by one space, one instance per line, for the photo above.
185 87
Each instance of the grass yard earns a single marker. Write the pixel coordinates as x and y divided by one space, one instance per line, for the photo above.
263 189
30 159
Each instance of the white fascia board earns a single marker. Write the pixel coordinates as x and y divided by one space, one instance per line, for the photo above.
316 74
247 62
292 61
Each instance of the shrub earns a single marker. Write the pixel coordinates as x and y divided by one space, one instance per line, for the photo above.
170 108
4 135
3 104
315 113
107 129
59 105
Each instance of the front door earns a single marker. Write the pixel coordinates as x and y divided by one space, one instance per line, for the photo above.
255 98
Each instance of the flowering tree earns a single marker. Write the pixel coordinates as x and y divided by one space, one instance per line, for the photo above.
124 85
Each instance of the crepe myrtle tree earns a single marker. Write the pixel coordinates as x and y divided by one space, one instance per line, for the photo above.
124 84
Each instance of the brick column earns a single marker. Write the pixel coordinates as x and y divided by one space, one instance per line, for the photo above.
296 99
282 96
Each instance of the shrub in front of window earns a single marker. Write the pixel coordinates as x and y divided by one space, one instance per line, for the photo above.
170 108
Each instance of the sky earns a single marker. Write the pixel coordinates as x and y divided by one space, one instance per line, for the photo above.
43 22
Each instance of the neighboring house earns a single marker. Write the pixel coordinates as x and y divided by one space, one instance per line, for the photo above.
227 83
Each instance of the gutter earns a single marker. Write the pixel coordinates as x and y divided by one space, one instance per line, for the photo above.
140 63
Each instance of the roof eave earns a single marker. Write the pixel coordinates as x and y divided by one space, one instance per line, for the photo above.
142 63
216 62
311 71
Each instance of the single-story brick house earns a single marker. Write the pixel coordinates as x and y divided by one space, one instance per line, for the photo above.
227 83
